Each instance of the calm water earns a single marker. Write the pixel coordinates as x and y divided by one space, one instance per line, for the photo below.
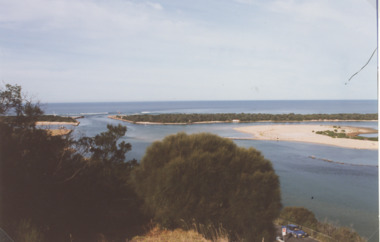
342 194
274 107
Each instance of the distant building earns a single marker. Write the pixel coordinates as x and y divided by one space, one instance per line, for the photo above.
235 121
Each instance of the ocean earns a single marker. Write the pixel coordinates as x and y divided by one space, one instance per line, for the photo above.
345 195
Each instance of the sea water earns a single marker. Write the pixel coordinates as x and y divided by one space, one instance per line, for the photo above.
344 194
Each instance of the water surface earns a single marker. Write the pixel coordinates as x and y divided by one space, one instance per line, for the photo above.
344 194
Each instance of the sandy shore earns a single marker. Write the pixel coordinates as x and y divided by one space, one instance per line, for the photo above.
304 133
59 132
56 123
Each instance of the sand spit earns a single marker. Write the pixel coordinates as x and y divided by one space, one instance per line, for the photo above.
150 123
56 123
59 132
307 133
160 123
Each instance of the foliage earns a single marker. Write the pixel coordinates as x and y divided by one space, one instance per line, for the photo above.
331 233
244 117
157 234
55 118
44 118
59 188
299 215
323 231
209 179
333 134
104 146
13 103
342 134
10 98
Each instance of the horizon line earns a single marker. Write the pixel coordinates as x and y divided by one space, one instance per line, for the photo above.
217 100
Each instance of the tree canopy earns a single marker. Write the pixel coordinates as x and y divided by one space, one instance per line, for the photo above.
206 179
54 188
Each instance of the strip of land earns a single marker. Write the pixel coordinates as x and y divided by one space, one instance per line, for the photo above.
46 120
307 133
59 132
48 123
121 118
199 118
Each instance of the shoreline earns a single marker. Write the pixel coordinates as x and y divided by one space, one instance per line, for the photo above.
160 123
307 133
293 132
59 132
47 123
218 122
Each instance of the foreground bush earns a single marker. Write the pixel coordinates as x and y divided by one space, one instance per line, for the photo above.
208 179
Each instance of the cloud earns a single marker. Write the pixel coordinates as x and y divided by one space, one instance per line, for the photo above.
176 46
156 6
250 2
82 16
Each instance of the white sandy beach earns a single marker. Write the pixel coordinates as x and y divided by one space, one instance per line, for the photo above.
304 133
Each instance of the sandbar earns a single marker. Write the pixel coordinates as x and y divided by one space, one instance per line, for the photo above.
59 132
307 133
47 123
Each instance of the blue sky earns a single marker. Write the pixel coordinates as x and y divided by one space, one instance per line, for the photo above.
120 50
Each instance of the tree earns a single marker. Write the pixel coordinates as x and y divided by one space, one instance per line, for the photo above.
209 180
104 146
12 102
58 188
33 165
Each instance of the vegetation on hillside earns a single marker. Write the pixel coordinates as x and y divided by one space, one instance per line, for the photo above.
323 231
243 117
208 179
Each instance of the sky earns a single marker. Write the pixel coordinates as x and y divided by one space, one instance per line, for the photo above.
125 50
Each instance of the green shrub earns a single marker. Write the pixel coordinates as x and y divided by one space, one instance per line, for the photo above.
299 215
208 179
